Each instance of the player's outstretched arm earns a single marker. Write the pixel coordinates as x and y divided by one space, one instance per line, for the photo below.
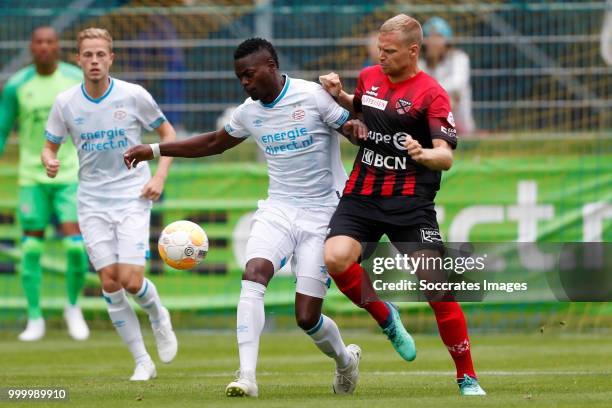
206 144
333 85
49 158
440 157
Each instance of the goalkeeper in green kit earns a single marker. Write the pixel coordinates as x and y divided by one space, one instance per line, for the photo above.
27 97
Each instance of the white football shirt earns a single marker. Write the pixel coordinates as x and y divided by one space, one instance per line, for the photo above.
102 130
301 149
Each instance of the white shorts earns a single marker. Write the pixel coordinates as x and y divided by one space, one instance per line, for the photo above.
116 237
280 231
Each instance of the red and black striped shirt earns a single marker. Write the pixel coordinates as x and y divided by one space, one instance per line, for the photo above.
418 107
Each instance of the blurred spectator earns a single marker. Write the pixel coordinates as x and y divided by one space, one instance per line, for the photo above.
372 47
451 68
225 116
224 119
168 59
606 34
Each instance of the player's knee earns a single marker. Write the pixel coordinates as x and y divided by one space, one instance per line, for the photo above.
337 260
307 319
259 271
76 256
133 285
74 245
111 285
32 243
109 278
32 247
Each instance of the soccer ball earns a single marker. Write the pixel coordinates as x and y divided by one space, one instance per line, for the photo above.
183 244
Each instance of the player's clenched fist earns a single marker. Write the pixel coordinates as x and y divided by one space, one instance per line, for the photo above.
414 150
355 130
136 154
153 189
52 167
331 83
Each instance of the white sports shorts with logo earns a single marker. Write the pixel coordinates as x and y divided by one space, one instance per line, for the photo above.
116 236
281 231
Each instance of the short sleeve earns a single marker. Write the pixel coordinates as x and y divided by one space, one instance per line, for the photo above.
358 93
56 131
440 119
235 127
332 114
148 112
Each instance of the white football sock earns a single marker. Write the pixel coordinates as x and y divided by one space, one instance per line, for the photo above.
125 321
149 300
249 325
326 336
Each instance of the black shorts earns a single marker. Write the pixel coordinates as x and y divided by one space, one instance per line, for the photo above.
409 222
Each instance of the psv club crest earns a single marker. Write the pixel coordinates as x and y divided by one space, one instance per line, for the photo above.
298 115
120 114
402 107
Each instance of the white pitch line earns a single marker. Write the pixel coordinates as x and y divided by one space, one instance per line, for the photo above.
430 372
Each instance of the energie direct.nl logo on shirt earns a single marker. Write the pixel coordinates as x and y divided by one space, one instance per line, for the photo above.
286 141
100 140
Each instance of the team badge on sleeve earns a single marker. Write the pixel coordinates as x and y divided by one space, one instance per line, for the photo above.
451 119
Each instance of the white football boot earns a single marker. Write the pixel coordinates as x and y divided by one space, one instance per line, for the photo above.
243 386
77 327
34 331
345 380
144 371
167 345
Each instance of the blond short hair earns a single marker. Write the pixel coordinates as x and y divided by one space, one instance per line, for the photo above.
409 27
94 33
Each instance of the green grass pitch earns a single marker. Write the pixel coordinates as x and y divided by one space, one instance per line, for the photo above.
535 370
